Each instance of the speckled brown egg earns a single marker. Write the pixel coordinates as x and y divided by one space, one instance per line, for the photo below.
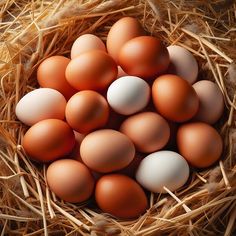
48 140
199 143
120 196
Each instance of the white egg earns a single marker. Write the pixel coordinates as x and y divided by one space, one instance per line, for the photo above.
41 104
182 63
128 95
162 168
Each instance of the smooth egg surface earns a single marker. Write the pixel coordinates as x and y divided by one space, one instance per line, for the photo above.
41 104
211 102
162 169
199 143
92 70
120 196
122 31
87 110
70 180
148 131
51 74
174 98
86 43
48 140
107 150
144 56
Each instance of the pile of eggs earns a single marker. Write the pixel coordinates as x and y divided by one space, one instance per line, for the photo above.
106 119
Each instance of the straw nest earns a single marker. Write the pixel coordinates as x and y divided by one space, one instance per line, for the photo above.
31 30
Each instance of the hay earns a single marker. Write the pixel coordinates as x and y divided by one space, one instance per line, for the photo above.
33 30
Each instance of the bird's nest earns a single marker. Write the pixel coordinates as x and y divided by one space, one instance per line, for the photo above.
30 31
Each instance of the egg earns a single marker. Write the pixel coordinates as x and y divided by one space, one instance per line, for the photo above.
199 143
93 70
148 131
120 196
48 140
122 31
85 43
128 95
182 63
162 169
211 100
87 110
174 98
40 104
70 180
51 74
106 150
144 56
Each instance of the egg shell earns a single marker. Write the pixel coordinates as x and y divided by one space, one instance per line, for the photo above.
122 31
86 43
106 150
148 131
211 102
174 98
123 95
51 74
40 104
182 63
70 180
199 143
144 56
93 70
162 169
120 196
87 110
48 140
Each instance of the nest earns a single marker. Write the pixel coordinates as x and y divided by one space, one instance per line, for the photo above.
32 30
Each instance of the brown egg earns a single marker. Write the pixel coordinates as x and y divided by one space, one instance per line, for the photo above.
87 110
174 98
85 43
93 70
148 131
120 196
122 31
144 56
211 100
48 140
51 74
199 143
70 180
106 150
